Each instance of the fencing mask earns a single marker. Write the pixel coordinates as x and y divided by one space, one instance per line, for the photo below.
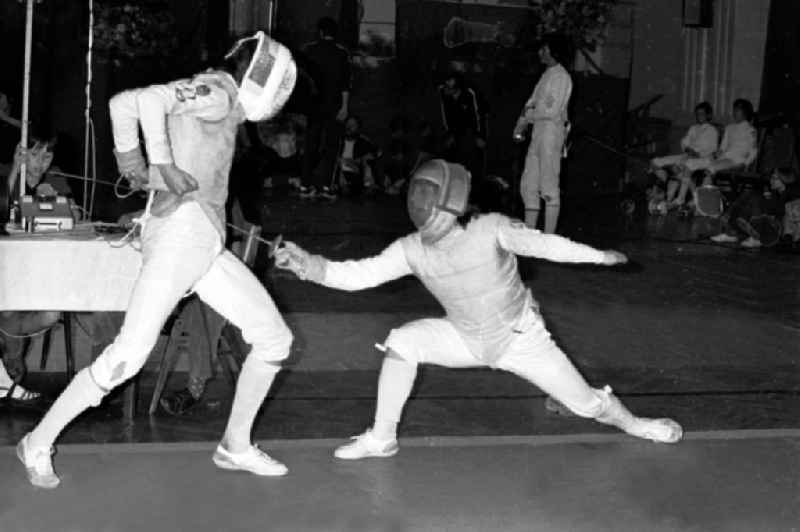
437 195
269 79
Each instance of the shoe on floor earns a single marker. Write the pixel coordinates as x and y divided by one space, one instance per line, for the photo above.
18 394
366 445
307 192
38 462
178 403
724 238
253 460
663 430
751 243
328 193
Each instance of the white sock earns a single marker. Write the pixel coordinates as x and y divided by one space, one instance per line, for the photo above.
81 393
254 382
394 386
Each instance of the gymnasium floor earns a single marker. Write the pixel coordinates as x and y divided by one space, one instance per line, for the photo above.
706 334
725 481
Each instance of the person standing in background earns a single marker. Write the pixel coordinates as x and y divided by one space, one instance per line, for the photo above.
329 66
546 109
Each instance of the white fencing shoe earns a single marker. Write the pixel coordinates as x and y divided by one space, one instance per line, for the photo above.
367 445
253 460
38 463
662 430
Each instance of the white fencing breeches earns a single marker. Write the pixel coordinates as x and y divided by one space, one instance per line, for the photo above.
540 178
532 355
183 252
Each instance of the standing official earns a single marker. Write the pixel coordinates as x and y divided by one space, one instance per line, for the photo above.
546 109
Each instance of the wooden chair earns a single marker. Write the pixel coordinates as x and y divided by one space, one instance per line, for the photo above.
215 328
776 149
66 322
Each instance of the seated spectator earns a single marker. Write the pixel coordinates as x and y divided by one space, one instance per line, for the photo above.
9 130
13 393
356 156
40 176
783 189
464 121
701 140
16 328
278 139
738 148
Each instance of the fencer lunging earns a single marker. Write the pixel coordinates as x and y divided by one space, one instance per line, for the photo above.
189 129
491 317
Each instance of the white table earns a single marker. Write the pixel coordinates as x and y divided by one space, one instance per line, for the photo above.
75 271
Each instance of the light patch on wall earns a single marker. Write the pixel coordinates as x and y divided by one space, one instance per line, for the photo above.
377 28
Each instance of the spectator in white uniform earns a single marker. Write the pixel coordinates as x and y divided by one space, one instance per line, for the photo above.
546 109
701 140
738 148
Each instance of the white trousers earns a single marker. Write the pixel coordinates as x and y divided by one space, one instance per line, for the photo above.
182 252
540 178
532 355
713 165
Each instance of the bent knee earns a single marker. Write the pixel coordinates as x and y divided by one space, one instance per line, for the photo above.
402 345
272 346
553 199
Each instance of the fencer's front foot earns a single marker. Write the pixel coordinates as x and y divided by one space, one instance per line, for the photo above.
367 446
38 464
662 430
253 460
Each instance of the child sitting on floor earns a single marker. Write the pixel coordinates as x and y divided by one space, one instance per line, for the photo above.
783 188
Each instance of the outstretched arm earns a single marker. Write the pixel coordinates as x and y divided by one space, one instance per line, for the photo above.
350 275
516 237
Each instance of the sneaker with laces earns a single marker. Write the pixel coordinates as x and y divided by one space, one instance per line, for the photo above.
724 238
751 243
307 192
366 445
38 463
253 460
328 193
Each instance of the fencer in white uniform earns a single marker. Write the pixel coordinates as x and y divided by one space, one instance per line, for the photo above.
546 109
491 318
189 129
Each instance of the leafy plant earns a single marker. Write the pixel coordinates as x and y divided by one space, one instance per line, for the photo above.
583 21
134 29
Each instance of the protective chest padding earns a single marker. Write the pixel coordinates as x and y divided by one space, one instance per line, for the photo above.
473 278
205 150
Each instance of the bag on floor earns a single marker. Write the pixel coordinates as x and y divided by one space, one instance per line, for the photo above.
708 201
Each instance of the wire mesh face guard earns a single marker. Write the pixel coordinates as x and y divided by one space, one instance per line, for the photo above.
269 80
437 186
